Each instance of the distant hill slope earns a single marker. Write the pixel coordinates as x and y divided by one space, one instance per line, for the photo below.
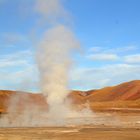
21 100
124 91
125 95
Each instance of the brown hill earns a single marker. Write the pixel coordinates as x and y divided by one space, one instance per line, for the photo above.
21 100
123 92
126 95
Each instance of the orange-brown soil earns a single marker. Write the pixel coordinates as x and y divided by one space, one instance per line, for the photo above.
70 133
125 96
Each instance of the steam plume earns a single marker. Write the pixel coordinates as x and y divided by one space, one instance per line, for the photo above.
54 59
54 56
51 10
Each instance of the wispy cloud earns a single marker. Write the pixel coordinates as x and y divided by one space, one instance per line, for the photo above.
132 58
122 49
107 75
13 38
103 57
95 49
25 79
20 58
123 54
12 63
18 72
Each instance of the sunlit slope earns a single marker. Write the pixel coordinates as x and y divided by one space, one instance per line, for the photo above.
125 95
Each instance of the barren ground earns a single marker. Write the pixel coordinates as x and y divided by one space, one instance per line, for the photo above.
128 128
70 133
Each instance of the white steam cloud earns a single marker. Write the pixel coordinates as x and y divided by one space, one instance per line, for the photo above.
50 9
54 55
54 58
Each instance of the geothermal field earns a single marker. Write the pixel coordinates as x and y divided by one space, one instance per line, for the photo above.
87 116
55 111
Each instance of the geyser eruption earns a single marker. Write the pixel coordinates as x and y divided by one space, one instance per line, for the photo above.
54 55
54 61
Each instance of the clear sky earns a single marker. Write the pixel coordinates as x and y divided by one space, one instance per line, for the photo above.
109 33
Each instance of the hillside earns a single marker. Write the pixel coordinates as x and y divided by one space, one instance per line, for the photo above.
125 91
21 100
125 95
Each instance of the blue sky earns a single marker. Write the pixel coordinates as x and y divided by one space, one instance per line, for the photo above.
109 33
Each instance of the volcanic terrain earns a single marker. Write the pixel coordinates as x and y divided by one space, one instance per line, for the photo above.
125 96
